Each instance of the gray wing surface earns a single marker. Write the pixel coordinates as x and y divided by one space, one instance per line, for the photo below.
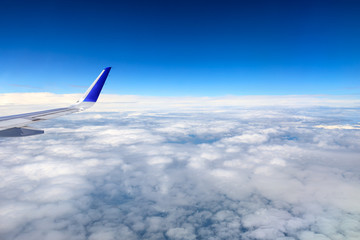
17 125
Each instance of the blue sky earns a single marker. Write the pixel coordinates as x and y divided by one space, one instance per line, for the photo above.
182 48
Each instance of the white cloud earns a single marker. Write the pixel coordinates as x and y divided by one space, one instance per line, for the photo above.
180 233
347 126
206 168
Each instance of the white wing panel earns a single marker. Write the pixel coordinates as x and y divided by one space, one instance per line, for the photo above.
14 123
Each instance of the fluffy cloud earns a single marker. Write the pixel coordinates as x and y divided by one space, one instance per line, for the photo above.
192 168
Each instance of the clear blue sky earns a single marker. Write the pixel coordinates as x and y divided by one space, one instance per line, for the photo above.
181 48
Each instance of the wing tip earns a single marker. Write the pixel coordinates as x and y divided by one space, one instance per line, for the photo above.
95 90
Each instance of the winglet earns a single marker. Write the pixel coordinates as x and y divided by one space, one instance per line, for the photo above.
94 90
92 94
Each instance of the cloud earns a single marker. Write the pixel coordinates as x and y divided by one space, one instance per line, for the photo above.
347 126
193 168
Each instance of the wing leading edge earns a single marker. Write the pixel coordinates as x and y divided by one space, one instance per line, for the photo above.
16 125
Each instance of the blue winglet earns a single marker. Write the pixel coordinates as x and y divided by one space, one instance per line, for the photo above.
95 89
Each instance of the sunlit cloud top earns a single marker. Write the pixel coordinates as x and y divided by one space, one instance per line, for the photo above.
132 168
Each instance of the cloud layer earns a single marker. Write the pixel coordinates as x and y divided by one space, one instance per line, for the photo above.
187 169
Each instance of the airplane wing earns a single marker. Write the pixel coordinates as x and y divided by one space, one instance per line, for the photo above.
17 125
